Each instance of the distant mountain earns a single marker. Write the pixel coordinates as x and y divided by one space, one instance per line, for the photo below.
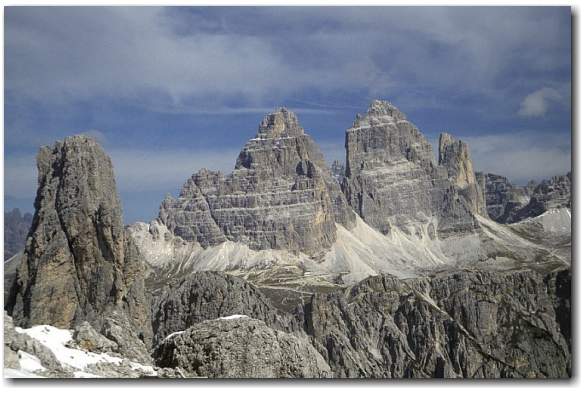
16 228
508 203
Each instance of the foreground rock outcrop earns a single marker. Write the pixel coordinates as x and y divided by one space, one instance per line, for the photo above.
205 296
79 264
44 351
462 324
280 195
240 347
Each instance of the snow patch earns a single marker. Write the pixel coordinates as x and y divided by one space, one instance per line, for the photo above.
173 334
56 339
232 317
29 363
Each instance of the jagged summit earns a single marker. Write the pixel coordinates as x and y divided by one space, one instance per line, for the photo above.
280 195
393 179
281 123
379 112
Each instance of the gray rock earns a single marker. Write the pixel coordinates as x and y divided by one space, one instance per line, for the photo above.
503 199
79 264
392 179
87 338
280 195
550 194
338 171
508 203
461 324
15 342
209 295
241 348
454 155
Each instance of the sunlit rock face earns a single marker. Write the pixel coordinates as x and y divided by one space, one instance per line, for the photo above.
455 156
392 178
279 196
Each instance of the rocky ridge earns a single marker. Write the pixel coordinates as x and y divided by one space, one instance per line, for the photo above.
549 194
206 296
457 324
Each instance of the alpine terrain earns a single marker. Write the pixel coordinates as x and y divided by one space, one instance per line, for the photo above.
401 262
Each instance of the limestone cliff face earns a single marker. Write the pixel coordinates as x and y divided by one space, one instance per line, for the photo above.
78 263
454 155
280 195
392 178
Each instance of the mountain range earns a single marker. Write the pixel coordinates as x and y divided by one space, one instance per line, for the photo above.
400 263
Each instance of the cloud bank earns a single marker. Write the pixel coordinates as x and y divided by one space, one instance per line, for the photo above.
168 90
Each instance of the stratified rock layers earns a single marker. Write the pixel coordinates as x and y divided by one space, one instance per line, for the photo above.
280 195
79 264
392 179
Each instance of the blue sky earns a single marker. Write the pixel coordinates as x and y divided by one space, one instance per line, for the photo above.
170 90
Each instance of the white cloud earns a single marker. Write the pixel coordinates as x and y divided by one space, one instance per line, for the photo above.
522 156
168 58
537 103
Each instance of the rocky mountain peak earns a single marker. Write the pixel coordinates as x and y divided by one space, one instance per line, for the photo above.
379 112
281 123
280 195
79 263
392 177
